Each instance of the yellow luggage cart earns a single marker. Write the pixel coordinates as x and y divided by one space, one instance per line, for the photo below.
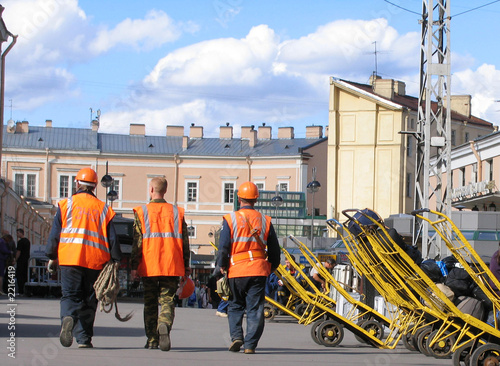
365 316
411 315
474 353
457 330
329 326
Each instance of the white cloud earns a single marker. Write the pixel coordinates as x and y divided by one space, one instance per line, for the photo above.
156 29
484 86
55 35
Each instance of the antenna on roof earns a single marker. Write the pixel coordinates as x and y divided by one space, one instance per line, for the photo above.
91 115
10 108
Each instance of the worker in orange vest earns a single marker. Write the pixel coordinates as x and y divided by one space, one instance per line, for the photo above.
160 255
82 240
248 251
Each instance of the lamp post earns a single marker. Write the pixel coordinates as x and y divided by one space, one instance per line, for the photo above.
276 201
313 187
107 182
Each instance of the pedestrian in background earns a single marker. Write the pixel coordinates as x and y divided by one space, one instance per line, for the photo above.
82 240
22 260
5 254
160 255
248 251
10 260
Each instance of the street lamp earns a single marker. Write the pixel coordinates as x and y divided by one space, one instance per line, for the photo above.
277 201
107 182
313 187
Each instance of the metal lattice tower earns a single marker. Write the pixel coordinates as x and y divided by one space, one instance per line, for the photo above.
434 120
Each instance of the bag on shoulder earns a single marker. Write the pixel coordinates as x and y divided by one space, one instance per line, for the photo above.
223 288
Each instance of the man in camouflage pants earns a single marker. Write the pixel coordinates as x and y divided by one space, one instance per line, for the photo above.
160 254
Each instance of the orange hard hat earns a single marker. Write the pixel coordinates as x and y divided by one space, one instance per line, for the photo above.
87 175
186 288
248 191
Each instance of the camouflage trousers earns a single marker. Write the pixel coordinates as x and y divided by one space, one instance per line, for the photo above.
159 290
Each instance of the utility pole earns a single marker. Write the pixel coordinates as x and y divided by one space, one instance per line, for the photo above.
434 122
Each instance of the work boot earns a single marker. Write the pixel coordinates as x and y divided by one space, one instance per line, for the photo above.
236 345
164 337
66 336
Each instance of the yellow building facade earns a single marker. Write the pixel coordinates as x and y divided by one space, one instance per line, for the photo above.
371 151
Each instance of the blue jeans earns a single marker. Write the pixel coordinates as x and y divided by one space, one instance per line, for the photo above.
248 296
222 308
79 300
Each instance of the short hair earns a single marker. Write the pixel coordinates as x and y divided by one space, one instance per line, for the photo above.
293 257
20 231
159 185
331 261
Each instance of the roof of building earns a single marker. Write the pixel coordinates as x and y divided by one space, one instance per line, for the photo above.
86 140
412 103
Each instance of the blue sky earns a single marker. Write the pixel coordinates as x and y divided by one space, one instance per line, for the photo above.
239 61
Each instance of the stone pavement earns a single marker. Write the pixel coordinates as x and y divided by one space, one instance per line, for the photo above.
198 338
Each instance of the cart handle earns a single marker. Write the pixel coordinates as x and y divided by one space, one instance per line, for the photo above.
419 211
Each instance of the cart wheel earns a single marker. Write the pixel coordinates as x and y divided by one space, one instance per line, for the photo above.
358 338
330 333
300 309
408 343
374 328
486 355
414 338
314 330
461 356
441 349
269 312
423 337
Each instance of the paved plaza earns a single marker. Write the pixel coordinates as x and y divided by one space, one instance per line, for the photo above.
198 338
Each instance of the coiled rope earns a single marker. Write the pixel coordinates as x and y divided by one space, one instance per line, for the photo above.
107 288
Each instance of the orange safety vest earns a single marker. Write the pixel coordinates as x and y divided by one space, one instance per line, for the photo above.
84 238
248 257
161 227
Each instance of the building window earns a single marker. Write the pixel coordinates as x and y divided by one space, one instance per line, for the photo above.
467 137
228 192
490 170
408 184
412 123
191 231
25 184
283 187
260 186
67 185
453 137
462 177
116 186
192 192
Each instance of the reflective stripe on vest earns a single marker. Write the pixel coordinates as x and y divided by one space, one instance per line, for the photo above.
147 233
248 257
72 232
251 238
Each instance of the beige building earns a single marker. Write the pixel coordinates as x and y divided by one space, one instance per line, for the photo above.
370 162
41 162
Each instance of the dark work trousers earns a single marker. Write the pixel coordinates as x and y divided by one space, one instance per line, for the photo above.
248 295
21 276
79 300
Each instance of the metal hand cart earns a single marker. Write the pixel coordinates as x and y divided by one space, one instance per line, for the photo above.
328 329
455 331
365 316
412 317
473 353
